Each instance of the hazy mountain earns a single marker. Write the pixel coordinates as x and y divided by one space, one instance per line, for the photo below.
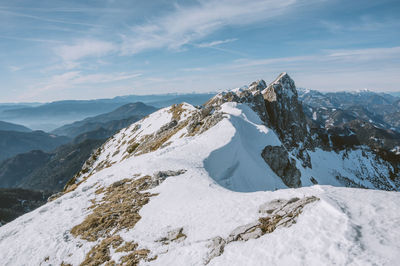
131 112
5 126
51 170
50 116
15 169
60 166
394 93
13 142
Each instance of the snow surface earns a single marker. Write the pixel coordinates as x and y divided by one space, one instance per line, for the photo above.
346 227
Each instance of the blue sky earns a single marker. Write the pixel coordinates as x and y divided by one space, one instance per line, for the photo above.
81 49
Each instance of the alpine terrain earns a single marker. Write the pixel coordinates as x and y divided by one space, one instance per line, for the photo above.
245 179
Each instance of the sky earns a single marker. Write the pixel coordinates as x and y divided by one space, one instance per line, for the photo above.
86 49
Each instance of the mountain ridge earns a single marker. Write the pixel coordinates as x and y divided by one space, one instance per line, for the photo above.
168 190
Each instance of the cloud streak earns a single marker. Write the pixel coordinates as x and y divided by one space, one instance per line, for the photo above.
188 24
84 48
72 79
215 43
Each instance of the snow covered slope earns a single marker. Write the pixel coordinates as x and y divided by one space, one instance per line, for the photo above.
168 190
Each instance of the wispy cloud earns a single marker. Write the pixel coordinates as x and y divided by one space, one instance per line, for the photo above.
342 56
188 24
75 79
215 43
46 19
42 40
14 68
104 78
361 24
372 68
84 48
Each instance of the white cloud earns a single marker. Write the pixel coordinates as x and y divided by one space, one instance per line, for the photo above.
191 23
352 57
215 43
72 79
104 78
84 48
14 68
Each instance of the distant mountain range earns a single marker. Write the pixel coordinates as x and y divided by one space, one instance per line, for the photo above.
111 121
5 126
15 142
50 116
52 169
382 110
46 171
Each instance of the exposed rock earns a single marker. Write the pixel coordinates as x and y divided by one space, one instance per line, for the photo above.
285 112
303 155
278 159
160 176
168 126
278 107
312 179
165 174
279 213
176 235
201 121
251 96
245 232
216 246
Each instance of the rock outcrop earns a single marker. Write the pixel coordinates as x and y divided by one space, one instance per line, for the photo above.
285 112
280 162
251 95
276 213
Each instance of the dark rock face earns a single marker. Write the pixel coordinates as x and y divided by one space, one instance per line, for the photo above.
285 167
286 113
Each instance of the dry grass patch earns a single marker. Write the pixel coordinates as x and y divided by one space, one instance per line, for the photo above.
176 110
131 148
136 256
118 210
100 253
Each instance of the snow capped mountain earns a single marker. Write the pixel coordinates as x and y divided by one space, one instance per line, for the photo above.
169 190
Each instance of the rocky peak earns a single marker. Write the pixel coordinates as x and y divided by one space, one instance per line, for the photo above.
277 105
285 112
282 87
258 85
251 95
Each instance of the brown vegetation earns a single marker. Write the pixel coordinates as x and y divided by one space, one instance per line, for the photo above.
118 210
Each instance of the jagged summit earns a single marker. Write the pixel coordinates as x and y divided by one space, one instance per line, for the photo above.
167 191
283 85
